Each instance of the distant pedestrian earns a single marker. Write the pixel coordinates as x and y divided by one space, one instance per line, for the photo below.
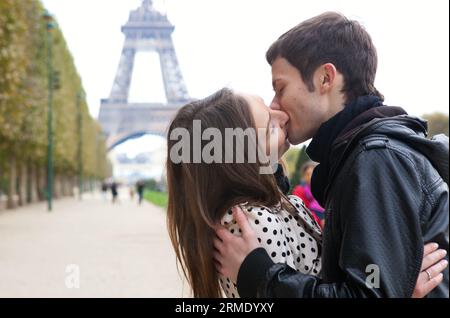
303 191
140 186
104 189
114 191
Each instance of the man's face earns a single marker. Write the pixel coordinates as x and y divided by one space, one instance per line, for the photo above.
306 110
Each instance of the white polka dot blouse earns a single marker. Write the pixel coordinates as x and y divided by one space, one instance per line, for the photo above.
291 239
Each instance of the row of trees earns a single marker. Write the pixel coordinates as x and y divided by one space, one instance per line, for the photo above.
24 81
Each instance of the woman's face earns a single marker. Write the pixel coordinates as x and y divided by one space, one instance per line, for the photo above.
273 123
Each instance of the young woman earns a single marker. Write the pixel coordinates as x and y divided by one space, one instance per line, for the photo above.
202 192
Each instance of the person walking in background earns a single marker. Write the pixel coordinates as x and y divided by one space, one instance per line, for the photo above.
104 189
114 191
131 188
140 185
303 191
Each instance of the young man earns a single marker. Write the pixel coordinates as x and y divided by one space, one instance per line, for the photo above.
382 183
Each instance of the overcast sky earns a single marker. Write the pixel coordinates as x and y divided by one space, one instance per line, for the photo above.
223 43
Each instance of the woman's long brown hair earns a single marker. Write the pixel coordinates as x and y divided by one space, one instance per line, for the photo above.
201 193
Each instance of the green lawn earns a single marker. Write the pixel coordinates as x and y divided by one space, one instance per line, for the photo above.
157 198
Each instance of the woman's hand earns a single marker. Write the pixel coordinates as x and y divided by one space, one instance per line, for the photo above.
431 272
231 250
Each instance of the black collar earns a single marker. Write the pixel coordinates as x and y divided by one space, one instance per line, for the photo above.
319 149
320 146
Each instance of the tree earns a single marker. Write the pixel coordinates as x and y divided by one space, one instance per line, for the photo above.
437 123
23 100
290 158
301 159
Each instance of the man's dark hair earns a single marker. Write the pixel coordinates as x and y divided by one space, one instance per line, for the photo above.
330 38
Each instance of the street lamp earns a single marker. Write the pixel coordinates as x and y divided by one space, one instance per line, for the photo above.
50 26
80 97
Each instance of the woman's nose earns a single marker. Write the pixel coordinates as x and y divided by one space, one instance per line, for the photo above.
284 118
274 104
281 116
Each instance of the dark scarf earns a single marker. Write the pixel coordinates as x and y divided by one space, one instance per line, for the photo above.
319 149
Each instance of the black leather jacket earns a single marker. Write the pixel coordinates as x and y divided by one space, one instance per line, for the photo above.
389 188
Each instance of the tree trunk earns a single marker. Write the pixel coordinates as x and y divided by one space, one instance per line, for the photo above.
61 186
65 186
1 187
11 201
29 182
56 187
41 182
32 183
69 186
21 170
38 180
73 184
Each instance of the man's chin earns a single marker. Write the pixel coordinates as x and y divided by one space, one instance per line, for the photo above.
296 140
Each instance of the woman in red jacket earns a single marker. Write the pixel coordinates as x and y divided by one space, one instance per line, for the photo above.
303 191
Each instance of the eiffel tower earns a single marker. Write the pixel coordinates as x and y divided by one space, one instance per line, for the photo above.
146 30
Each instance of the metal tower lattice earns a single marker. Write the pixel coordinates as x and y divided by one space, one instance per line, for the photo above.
146 30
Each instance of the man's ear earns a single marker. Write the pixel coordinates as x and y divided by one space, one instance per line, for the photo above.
327 76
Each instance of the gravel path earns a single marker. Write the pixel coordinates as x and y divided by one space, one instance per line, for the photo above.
120 250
